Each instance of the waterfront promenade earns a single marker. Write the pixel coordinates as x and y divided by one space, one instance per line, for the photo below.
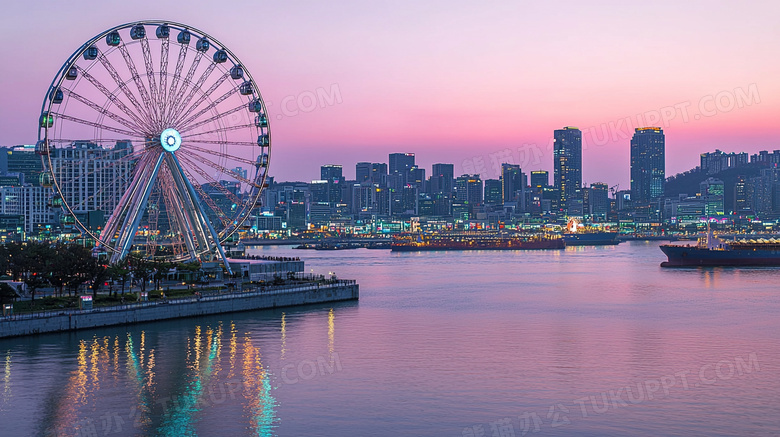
258 297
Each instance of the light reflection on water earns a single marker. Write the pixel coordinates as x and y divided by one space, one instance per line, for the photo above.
439 344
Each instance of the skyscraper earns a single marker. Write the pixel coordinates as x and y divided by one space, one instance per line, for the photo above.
647 164
334 176
539 180
362 171
442 179
567 162
401 162
512 182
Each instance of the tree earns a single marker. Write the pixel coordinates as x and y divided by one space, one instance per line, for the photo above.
142 269
120 271
37 259
98 273
7 293
161 271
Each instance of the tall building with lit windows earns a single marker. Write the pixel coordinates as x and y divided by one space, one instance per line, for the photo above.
648 164
567 162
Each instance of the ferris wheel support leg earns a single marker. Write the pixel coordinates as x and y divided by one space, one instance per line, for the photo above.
189 205
202 215
138 209
122 208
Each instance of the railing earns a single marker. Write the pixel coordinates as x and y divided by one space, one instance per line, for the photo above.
254 290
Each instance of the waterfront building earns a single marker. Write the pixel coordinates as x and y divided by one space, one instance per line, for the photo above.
31 202
647 164
567 162
597 201
24 161
106 175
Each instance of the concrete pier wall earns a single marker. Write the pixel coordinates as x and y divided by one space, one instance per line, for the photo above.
18 325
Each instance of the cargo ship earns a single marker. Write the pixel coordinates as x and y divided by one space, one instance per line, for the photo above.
476 240
713 251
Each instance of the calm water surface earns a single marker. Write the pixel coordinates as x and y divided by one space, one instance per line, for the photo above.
583 341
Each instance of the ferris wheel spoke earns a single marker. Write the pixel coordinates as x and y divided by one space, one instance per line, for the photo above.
126 90
95 125
221 155
184 112
163 75
175 80
151 109
221 216
221 130
181 110
185 125
225 143
147 52
225 171
197 169
105 112
110 96
186 82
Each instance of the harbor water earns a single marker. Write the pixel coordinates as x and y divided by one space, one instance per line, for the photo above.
587 341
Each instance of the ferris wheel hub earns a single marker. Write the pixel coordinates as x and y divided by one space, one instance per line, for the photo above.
170 140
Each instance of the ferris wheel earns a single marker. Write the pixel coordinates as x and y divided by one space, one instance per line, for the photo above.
156 141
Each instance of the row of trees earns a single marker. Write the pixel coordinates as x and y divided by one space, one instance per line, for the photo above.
69 266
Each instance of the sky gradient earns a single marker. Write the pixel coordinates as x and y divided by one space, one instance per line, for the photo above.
462 82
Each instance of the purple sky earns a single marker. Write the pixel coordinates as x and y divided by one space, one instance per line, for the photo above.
470 83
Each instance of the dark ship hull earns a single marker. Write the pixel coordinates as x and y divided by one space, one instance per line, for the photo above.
591 239
688 256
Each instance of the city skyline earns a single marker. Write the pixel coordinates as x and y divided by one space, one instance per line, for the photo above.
491 78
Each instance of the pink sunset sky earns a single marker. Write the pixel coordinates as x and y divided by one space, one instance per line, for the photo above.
462 82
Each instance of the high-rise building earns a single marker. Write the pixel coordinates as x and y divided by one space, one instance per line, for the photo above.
712 192
597 200
512 183
362 171
469 189
379 173
442 179
493 192
334 176
567 162
539 180
743 202
401 162
105 175
647 164
24 160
